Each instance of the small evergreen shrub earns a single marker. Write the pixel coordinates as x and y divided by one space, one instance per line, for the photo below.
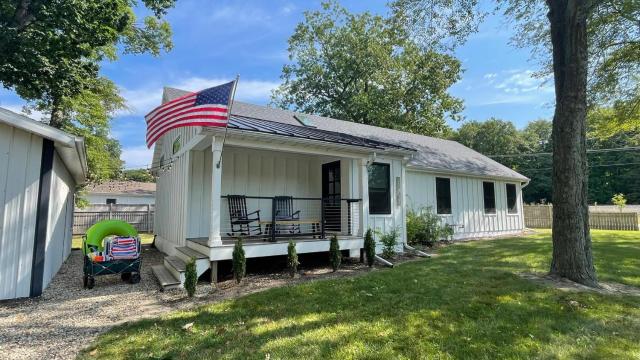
292 258
426 228
335 256
190 278
239 261
389 241
369 247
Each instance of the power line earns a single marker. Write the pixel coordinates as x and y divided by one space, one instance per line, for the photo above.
588 166
628 148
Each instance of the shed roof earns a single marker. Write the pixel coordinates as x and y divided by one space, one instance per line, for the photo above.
122 188
70 148
431 153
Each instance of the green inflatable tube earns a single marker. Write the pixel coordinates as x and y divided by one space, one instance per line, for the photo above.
102 229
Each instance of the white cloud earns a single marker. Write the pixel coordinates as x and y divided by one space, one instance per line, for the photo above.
136 156
524 81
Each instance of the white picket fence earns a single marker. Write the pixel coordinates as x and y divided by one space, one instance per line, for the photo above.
541 217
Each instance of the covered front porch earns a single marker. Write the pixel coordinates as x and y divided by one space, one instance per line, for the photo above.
268 193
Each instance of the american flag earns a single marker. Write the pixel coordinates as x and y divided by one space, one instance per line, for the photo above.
209 107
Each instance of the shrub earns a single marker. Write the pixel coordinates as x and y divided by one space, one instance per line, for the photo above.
190 278
292 258
369 247
389 241
239 261
335 256
619 200
425 227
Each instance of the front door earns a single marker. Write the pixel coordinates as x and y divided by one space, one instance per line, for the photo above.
331 196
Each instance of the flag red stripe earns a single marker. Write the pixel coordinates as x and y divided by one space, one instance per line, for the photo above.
162 130
185 103
190 123
170 103
181 111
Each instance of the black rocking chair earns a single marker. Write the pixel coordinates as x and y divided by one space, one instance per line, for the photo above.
284 212
242 222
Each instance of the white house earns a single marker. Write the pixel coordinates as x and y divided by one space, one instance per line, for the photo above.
40 167
121 192
281 175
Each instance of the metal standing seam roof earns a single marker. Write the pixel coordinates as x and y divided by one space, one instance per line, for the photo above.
283 129
430 154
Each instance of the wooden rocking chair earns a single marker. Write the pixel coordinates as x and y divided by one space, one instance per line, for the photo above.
284 212
243 223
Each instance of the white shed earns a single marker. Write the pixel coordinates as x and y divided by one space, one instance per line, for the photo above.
40 167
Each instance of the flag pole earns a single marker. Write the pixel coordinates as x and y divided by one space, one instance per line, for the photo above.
226 128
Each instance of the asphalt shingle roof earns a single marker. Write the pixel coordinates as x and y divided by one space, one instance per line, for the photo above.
430 153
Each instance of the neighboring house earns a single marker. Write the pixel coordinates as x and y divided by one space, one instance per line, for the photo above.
310 177
40 167
121 192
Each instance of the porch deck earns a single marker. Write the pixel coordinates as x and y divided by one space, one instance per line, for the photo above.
259 248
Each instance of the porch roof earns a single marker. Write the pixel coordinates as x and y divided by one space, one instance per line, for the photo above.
244 123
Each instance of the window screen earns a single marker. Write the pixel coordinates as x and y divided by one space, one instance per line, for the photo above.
379 189
443 195
111 201
489 197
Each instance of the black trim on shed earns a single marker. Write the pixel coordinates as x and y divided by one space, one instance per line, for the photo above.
42 218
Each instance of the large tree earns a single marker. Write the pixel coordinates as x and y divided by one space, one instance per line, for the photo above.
364 68
491 137
562 31
50 55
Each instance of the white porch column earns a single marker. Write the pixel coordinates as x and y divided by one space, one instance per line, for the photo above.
364 195
216 184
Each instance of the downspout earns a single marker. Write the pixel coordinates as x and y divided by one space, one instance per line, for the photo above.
416 251
383 261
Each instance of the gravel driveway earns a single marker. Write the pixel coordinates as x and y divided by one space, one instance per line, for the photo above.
67 317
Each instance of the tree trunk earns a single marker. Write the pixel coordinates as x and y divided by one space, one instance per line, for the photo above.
56 114
572 257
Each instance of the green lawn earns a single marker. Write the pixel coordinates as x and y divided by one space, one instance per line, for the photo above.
466 303
76 241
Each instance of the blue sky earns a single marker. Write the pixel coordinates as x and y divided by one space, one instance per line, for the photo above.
214 40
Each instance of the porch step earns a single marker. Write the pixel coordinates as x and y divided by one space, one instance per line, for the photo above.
165 278
192 253
175 262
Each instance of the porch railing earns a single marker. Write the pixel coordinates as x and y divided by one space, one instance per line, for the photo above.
276 217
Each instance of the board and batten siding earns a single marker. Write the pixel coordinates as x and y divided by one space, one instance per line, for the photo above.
394 220
59 228
20 156
467 204
171 196
121 199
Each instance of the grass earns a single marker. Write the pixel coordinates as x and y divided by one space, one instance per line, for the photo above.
466 303
76 241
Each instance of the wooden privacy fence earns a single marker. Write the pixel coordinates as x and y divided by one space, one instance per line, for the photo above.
140 216
541 217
